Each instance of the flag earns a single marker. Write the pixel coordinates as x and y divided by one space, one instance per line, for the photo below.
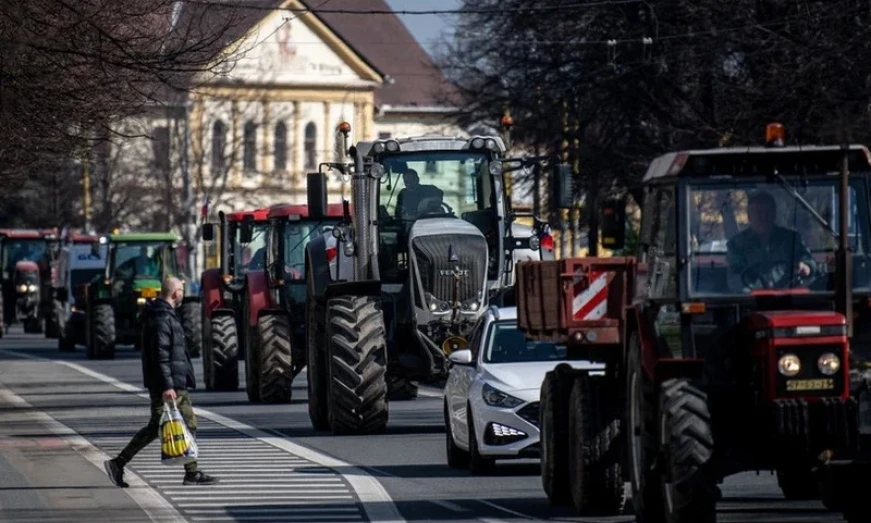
204 211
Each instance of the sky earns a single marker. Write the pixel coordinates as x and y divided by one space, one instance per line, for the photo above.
427 29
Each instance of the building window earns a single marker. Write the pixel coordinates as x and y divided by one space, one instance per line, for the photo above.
160 143
280 144
311 146
249 158
219 143
384 136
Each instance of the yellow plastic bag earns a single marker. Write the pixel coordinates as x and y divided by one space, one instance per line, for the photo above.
177 445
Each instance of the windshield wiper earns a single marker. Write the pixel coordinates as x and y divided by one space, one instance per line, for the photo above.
800 199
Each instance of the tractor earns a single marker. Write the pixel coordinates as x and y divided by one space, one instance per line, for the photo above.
17 245
221 290
398 286
81 260
275 297
28 285
113 302
738 339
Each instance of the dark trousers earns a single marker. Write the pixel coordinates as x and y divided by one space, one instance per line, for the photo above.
150 432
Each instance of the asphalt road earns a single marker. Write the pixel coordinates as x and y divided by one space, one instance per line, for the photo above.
276 468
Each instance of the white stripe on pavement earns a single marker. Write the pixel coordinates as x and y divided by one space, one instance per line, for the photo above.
152 503
376 502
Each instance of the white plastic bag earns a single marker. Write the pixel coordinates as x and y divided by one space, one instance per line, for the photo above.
177 444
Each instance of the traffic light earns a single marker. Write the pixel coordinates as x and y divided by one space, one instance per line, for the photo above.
613 224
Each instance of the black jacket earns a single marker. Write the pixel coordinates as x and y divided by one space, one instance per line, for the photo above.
165 361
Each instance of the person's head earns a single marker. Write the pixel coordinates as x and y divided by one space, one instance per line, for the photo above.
411 178
172 291
761 212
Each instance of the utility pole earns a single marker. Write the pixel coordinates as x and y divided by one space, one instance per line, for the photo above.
564 158
189 223
86 185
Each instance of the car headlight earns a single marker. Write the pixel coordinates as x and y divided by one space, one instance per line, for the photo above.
22 288
31 288
496 398
829 363
789 365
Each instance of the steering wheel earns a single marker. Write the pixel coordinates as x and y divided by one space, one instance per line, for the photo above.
755 272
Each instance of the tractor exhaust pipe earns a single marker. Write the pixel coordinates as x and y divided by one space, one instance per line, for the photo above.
362 261
222 238
843 256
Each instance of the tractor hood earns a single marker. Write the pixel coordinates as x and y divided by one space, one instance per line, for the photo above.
798 323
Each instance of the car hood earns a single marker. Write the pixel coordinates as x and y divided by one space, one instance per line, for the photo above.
517 378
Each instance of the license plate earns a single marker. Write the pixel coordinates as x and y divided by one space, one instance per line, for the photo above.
801 385
149 293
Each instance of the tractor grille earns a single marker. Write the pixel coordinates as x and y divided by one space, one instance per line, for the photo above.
530 413
436 270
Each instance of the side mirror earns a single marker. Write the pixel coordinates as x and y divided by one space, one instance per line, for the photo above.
461 357
246 229
614 224
316 195
208 232
562 189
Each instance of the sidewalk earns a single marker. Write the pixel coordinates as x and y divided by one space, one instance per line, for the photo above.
44 479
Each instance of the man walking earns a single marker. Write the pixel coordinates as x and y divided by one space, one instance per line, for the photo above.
168 375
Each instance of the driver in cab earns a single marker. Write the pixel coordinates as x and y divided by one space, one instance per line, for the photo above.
765 255
410 198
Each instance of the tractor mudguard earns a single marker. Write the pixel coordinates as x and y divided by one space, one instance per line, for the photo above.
668 368
317 265
353 288
656 368
222 312
211 291
258 296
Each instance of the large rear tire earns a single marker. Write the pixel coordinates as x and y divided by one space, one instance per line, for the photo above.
221 363
553 420
358 360
191 321
688 488
276 361
101 344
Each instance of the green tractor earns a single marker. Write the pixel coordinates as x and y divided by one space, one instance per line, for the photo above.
137 265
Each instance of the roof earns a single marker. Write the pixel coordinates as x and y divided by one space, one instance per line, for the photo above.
144 237
26 265
334 210
809 159
260 215
385 42
23 234
82 238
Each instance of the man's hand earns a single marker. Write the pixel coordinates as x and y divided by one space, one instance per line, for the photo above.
804 270
169 395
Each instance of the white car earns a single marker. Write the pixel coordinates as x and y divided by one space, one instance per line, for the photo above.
492 393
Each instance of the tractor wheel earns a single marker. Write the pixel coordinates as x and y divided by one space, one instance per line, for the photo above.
101 344
221 362
553 420
595 472
358 362
688 487
54 322
276 363
642 442
191 320
401 389
798 483
316 367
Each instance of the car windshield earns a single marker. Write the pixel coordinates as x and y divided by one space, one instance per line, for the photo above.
81 276
508 344
143 260
250 256
746 236
15 251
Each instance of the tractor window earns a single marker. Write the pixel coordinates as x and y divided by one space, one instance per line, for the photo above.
138 260
252 255
663 250
751 235
15 251
296 237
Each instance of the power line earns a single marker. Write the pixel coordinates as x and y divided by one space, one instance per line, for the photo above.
498 10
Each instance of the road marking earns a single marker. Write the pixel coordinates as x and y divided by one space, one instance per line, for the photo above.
374 499
158 509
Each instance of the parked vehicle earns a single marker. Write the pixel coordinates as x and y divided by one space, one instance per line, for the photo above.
82 260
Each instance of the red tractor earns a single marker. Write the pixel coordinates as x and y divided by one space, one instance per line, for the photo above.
221 289
737 340
18 245
275 299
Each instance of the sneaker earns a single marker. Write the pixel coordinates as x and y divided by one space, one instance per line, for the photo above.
199 478
115 472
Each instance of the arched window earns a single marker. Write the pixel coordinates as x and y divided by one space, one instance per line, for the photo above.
311 146
249 158
219 143
280 145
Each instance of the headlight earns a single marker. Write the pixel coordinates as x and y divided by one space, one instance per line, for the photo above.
140 301
31 288
496 398
437 306
477 143
789 365
22 288
829 363
534 242
471 305
496 168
